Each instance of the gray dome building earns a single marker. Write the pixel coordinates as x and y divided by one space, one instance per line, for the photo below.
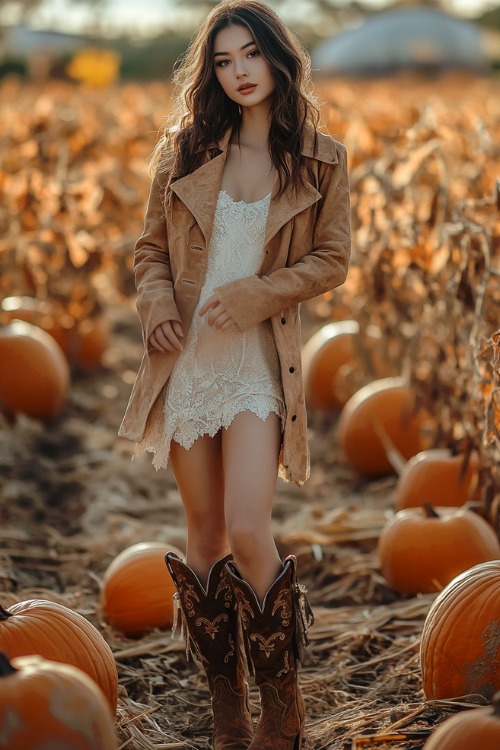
407 38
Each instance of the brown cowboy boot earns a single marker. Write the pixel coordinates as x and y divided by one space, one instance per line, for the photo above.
211 623
275 636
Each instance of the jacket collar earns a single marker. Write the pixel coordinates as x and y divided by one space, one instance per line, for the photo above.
199 190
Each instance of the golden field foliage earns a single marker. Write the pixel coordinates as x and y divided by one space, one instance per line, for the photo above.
424 164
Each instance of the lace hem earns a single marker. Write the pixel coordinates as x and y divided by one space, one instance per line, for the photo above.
186 432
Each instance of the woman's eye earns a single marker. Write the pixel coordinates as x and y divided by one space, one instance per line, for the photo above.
253 53
222 63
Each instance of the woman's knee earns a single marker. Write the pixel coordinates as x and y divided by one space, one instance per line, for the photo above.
246 538
205 523
207 544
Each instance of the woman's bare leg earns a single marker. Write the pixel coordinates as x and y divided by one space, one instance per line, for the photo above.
199 476
250 449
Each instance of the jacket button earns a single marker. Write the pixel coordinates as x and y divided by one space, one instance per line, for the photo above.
283 321
291 369
294 418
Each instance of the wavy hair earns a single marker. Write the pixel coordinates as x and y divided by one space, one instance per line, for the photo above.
202 112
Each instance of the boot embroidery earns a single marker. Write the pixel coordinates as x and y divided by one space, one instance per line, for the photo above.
283 601
224 585
231 651
266 644
211 627
286 665
189 596
246 611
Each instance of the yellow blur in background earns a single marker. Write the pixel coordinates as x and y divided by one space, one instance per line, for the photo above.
95 68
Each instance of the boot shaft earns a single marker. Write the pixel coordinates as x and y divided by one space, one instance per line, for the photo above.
210 620
275 632
208 614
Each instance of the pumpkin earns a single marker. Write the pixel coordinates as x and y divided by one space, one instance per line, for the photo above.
34 376
44 704
36 626
82 341
94 335
385 407
438 477
137 589
460 643
420 549
323 356
474 728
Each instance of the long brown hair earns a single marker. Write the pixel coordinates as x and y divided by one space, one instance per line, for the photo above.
202 112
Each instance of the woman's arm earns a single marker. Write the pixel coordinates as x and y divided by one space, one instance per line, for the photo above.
153 276
251 300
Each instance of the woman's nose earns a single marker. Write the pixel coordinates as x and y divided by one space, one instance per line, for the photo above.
241 69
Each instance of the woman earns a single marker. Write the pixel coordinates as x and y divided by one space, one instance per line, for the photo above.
248 216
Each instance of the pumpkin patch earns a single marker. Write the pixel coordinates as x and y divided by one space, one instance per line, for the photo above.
423 161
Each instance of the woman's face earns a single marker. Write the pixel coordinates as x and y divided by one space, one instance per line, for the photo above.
240 68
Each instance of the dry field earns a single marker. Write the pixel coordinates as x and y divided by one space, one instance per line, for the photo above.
424 158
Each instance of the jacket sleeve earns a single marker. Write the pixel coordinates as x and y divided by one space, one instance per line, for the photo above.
254 299
153 276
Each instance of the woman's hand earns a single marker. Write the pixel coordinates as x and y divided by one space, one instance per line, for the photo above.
166 337
218 316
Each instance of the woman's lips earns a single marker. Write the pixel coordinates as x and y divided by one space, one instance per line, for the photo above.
247 88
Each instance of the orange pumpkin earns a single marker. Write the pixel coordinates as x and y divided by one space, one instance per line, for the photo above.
383 408
82 341
137 589
45 704
34 376
421 550
94 335
476 728
322 358
460 644
48 315
57 633
438 477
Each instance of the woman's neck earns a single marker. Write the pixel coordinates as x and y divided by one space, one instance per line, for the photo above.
254 129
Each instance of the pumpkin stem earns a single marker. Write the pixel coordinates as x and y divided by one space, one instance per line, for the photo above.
394 456
6 667
4 614
429 511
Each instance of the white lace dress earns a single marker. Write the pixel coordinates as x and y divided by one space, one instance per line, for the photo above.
220 373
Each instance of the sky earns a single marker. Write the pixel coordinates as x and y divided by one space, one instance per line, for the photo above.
145 17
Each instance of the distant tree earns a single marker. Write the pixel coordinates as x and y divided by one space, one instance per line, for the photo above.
20 11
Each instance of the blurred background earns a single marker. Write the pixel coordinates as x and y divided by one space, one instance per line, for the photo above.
142 40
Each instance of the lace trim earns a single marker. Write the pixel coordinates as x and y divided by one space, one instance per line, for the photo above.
224 194
158 440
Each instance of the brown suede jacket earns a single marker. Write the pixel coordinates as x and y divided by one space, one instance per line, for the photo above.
306 253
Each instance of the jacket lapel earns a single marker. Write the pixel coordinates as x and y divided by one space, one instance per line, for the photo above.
200 189
284 208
